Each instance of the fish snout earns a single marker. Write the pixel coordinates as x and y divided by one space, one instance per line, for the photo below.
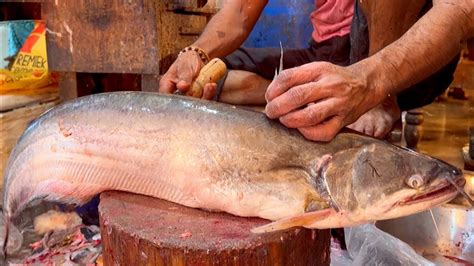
456 177
443 167
457 174
459 180
442 171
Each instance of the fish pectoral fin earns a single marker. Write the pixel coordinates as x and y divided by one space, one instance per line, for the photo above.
302 220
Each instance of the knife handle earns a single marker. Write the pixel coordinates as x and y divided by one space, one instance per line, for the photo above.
210 73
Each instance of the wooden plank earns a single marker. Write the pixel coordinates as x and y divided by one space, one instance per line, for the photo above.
22 97
171 234
12 125
109 36
24 1
177 31
91 83
20 10
150 82
185 3
193 6
67 86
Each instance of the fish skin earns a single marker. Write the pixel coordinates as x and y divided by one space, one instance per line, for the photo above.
164 138
208 155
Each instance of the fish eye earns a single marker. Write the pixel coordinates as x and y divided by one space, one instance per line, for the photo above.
415 181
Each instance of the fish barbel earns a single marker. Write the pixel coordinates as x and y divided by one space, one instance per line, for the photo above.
215 156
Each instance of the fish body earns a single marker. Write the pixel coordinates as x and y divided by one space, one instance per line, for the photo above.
215 156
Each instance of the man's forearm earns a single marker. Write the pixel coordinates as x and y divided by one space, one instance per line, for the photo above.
244 88
431 43
229 28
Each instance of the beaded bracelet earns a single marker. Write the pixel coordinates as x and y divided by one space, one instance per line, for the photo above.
204 57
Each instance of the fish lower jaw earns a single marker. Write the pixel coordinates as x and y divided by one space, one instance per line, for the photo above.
440 192
411 207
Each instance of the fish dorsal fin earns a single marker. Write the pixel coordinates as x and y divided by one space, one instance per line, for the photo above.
302 220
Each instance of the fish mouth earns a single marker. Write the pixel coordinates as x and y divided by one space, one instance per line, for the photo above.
437 191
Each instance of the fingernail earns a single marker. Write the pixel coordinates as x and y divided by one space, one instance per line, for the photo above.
266 111
269 110
268 92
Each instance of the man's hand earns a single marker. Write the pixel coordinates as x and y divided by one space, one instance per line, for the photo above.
320 98
182 73
224 33
379 121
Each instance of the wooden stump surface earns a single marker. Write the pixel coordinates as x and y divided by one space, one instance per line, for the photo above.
139 230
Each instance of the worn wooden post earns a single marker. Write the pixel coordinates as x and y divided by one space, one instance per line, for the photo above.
413 129
139 230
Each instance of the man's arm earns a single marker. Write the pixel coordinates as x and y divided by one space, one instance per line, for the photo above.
230 27
334 96
432 42
225 32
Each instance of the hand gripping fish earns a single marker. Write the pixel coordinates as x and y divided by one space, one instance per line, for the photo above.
240 162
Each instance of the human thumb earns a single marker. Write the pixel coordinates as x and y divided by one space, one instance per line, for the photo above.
186 77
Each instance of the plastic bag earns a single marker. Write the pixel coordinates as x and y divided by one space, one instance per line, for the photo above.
339 256
368 245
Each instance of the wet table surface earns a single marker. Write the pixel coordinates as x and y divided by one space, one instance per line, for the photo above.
446 129
446 124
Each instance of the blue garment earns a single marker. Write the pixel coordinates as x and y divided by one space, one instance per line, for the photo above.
285 21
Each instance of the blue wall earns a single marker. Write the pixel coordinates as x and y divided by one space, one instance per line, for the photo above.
285 21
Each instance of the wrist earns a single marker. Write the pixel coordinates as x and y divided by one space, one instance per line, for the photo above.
196 51
207 46
371 75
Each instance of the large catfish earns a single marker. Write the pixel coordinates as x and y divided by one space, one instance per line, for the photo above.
217 157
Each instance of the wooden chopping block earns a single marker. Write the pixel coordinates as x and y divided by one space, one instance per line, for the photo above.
139 230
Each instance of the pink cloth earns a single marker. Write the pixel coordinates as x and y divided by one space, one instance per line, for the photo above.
331 18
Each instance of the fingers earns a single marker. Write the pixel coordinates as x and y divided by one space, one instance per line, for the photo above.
325 131
355 126
181 73
184 80
381 132
294 98
188 69
209 91
311 115
167 84
292 77
383 127
369 130
172 80
365 124
375 126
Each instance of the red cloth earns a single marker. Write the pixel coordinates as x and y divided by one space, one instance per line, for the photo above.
331 18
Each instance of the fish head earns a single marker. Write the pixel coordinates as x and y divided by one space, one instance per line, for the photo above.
381 181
